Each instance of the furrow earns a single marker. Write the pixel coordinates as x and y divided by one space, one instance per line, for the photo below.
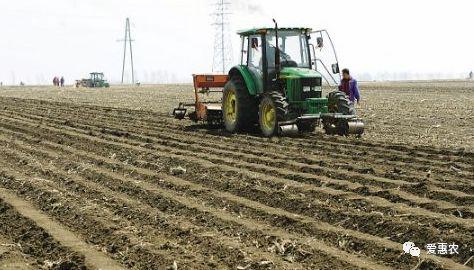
75 151
176 202
178 229
366 190
436 156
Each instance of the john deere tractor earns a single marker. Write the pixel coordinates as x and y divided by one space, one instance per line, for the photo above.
96 80
279 83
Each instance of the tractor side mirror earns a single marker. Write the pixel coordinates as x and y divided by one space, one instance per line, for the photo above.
319 42
254 42
335 68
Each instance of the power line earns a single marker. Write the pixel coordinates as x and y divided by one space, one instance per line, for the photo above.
128 38
222 41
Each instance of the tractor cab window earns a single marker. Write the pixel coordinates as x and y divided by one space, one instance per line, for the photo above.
255 60
245 51
255 52
293 49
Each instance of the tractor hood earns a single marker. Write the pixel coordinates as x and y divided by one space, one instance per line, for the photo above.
296 73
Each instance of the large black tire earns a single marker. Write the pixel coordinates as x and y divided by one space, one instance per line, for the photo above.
244 106
280 106
339 103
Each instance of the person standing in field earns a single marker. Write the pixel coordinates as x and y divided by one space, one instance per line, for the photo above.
62 81
56 81
349 86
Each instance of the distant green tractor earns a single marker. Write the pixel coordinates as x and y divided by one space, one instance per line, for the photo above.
278 85
96 80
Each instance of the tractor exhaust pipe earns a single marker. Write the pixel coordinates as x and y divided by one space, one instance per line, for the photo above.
288 130
277 52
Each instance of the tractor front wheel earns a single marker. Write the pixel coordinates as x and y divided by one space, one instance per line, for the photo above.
239 109
338 103
273 108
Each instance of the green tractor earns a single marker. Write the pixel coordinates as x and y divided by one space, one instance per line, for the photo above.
96 80
279 84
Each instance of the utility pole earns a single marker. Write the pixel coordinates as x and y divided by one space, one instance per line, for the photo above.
128 39
222 42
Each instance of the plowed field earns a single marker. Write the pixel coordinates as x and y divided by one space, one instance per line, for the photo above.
88 187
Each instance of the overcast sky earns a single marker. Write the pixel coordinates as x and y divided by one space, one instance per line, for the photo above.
175 38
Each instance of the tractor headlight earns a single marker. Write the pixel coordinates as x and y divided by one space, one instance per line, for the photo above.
307 88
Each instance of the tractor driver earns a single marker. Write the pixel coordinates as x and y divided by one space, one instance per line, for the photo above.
349 86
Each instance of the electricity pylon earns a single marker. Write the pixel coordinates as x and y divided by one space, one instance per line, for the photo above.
223 56
128 39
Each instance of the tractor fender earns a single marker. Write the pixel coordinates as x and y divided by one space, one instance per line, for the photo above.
244 72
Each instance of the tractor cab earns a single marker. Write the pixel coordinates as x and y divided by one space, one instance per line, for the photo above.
259 52
97 76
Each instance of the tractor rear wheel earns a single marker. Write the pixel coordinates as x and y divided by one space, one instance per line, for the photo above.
239 108
273 109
